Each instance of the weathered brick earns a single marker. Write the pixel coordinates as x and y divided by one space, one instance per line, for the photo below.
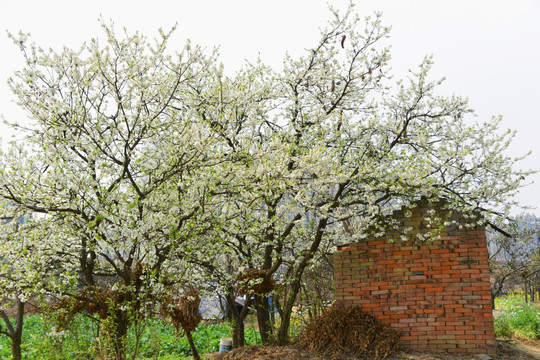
437 294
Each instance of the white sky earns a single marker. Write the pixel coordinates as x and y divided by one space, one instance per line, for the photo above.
489 50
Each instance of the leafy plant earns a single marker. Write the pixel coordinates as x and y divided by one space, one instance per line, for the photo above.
518 318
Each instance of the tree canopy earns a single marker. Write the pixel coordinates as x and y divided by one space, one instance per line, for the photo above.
155 169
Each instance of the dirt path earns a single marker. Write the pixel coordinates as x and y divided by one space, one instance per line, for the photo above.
528 349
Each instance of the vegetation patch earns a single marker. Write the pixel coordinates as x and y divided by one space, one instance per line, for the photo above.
159 340
518 318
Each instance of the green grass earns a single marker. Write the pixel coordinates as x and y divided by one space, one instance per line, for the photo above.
157 342
517 318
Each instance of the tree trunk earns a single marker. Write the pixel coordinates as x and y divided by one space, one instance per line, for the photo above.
15 333
534 288
272 312
194 351
263 319
16 348
537 288
237 332
525 290
283 331
120 336
237 319
237 324
16 341
497 288
286 313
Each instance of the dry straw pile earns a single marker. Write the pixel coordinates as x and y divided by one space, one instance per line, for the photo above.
341 332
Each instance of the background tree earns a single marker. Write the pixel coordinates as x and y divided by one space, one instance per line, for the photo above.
12 294
513 257
21 271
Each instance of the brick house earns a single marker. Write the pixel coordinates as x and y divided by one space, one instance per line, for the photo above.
436 293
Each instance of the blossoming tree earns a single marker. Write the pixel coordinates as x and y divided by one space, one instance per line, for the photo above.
329 145
146 162
115 158
20 273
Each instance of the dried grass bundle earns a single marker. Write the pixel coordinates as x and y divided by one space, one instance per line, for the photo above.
348 331
253 281
183 311
89 300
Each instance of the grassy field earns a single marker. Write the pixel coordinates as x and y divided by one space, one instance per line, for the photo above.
158 340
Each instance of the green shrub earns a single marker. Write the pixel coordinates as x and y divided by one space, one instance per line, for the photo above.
517 318
502 327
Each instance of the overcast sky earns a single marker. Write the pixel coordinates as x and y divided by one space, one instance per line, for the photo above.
488 50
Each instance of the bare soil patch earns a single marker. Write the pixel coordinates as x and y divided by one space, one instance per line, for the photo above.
506 350
528 349
30 308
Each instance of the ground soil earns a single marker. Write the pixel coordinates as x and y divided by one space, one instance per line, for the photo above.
506 350
30 308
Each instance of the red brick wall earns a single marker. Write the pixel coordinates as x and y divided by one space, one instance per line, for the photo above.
437 294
